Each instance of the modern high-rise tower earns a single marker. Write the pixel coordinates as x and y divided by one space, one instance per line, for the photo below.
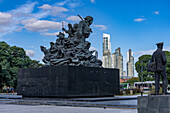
106 42
130 64
106 51
117 61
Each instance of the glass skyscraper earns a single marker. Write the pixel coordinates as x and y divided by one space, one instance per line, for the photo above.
130 64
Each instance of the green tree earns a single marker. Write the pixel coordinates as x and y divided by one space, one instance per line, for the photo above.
1 85
35 64
4 64
168 65
12 59
142 62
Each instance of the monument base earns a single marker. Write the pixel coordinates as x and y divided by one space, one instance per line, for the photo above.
154 104
68 81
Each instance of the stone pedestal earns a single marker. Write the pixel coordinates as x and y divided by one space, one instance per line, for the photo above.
68 81
154 104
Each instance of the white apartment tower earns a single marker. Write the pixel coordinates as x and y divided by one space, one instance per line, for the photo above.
106 51
130 64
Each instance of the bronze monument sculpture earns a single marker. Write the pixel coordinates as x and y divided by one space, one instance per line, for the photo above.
74 49
71 70
157 66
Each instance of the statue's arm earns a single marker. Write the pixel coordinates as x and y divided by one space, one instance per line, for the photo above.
164 58
65 30
91 30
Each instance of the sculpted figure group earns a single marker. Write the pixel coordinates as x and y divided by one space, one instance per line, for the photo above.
74 49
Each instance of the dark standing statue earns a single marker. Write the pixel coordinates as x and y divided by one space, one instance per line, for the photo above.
159 58
74 49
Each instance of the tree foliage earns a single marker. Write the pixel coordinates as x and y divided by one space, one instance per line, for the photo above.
142 63
149 76
12 59
133 79
168 65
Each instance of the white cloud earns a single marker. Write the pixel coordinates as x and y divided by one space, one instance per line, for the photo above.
92 48
7 29
2 30
15 16
5 18
29 21
156 12
102 27
41 25
19 29
167 48
62 3
24 9
50 34
46 6
58 11
23 17
73 18
41 14
69 3
92 1
139 53
50 10
30 53
139 19
74 3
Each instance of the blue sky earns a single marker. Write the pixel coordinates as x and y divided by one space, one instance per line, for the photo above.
132 24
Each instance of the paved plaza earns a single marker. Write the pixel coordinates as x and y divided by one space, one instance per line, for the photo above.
117 104
7 108
108 102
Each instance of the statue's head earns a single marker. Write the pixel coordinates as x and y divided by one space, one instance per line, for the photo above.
60 35
51 43
89 19
42 48
69 25
75 26
160 45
